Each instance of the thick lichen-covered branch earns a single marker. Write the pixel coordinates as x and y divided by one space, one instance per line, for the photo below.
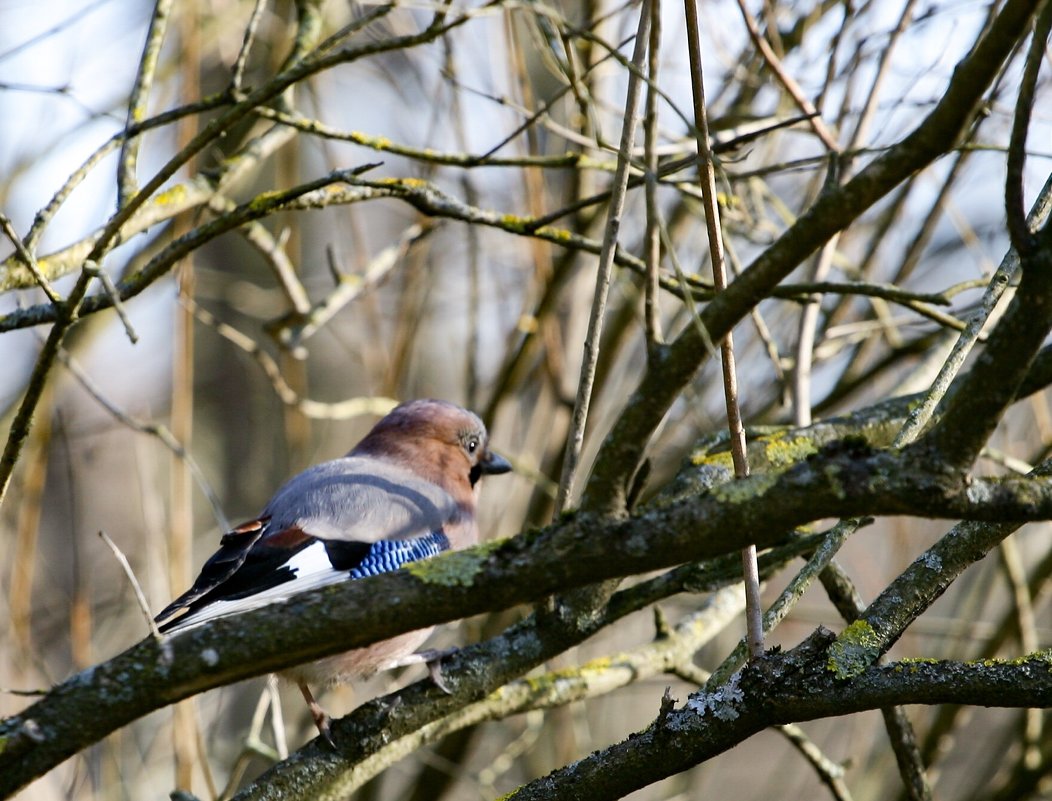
842 480
314 774
786 688
917 587
478 670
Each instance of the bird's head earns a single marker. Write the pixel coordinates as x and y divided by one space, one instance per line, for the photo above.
439 440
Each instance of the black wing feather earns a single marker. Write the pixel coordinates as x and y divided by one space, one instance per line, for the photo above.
243 567
234 549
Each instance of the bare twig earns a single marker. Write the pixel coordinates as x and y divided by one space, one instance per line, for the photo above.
126 183
246 46
254 746
28 259
787 81
683 279
865 119
1019 227
162 433
575 440
294 334
816 563
272 249
122 560
805 340
706 168
24 693
653 234
115 298
999 282
342 410
830 773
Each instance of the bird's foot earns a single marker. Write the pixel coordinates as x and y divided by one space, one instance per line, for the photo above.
432 657
321 717
323 722
434 670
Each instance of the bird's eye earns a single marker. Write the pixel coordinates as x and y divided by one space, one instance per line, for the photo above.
472 445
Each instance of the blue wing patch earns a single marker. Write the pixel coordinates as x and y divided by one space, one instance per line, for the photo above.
266 574
389 555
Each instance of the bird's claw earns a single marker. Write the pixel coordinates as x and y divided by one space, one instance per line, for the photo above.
324 724
434 670
431 657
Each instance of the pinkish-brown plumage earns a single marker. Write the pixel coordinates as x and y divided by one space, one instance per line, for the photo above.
407 491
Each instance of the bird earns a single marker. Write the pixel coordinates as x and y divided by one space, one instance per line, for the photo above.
407 491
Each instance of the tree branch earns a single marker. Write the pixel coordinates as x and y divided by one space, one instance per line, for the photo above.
843 480
832 212
786 688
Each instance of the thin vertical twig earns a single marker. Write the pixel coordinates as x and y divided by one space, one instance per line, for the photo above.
95 269
706 169
1020 232
81 618
126 183
829 772
246 46
575 440
181 518
805 338
801 379
181 512
651 311
277 718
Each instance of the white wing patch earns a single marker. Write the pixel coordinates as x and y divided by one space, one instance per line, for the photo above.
312 569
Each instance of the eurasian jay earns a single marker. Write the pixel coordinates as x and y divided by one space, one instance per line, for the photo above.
407 491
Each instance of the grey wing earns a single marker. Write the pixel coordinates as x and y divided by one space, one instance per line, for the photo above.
362 500
345 519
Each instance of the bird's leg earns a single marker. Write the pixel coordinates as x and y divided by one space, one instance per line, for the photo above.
432 657
321 718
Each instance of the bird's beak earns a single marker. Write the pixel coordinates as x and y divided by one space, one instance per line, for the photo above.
493 464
